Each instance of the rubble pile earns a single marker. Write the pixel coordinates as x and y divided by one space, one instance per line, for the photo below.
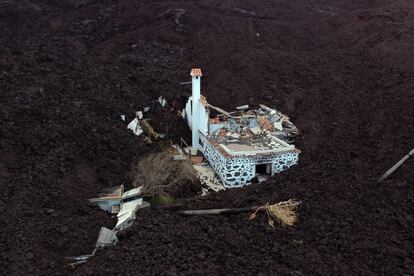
256 128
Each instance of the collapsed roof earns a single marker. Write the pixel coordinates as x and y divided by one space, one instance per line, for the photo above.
250 132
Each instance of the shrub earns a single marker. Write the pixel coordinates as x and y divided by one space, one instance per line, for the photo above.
160 175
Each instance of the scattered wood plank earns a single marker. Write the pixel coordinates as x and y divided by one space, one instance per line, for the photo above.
396 166
217 211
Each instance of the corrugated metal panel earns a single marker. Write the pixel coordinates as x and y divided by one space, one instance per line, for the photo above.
130 206
126 220
132 192
106 237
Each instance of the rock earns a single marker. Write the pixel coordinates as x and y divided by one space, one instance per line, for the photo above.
49 211
29 255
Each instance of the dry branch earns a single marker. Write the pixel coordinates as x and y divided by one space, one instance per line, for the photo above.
149 129
283 212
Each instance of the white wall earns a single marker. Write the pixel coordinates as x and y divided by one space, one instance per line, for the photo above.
202 118
196 93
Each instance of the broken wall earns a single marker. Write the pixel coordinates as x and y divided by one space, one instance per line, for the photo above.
214 127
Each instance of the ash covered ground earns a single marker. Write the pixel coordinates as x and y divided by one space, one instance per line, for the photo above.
342 70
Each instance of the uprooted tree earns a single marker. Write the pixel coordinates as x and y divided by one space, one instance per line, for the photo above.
283 212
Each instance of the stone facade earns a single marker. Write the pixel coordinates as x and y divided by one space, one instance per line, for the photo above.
238 171
217 161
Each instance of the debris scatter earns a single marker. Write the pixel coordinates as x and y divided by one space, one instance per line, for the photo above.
341 70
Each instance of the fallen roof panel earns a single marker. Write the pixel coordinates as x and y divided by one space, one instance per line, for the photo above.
130 206
106 237
132 192
125 220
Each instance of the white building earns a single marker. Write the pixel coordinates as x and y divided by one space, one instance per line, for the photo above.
242 144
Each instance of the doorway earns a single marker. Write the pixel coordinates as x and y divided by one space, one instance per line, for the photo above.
264 169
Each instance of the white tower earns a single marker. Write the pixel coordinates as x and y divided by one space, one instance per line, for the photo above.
195 123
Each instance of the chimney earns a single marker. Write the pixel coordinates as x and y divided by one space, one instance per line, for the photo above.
195 80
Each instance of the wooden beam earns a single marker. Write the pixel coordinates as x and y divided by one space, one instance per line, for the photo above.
396 166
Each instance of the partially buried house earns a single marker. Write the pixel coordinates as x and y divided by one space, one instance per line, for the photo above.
242 144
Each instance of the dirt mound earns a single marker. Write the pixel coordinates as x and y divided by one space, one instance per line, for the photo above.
341 69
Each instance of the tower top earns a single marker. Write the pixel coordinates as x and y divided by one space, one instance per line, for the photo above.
196 72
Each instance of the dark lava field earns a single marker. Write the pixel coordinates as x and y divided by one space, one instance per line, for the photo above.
342 70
